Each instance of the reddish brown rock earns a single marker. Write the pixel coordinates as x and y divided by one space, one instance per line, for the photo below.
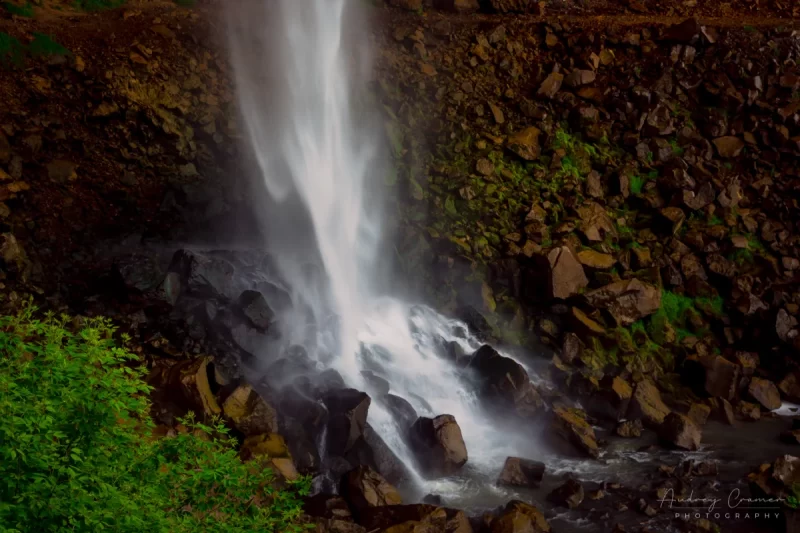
729 146
570 494
519 472
525 143
647 405
570 424
679 431
627 300
566 274
364 488
790 387
764 392
438 445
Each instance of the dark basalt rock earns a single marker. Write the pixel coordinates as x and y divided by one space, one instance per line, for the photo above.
348 417
438 445
519 472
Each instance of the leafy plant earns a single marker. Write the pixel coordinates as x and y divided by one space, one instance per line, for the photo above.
79 455
44 46
24 10
98 5
11 50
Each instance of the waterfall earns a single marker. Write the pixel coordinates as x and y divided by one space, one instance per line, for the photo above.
300 66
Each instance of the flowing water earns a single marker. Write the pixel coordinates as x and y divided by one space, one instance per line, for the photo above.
300 67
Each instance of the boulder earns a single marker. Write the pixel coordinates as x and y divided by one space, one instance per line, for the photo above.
566 276
570 424
403 412
629 429
254 308
764 392
579 77
199 275
347 409
457 6
525 143
596 260
383 517
679 431
438 445
647 405
249 412
699 413
329 525
503 383
189 384
729 146
612 400
519 517
327 506
570 494
551 85
626 301
364 488
713 375
790 387
519 472
267 445
371 450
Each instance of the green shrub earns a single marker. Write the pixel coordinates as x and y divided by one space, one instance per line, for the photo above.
45 46
98 5
11 50
25 10
77 451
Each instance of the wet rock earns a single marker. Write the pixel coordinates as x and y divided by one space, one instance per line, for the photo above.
519 517
723 411
566 276
301 444
713 374
647 405
327 506
764 392
613 399
627 300
189 384
572 348
704 196
372 451
249 412
519 472
198 275
384 517
570 424
570 494
525 143
347 409
285 468
790 387
729 146
785 325
403 412
364 488
679 431
267 445
503 383
438 445
699 413
748 411
629 429
253 306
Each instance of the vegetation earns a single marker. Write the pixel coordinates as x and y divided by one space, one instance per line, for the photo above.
79 453
24 10
98 5
11 50
44 46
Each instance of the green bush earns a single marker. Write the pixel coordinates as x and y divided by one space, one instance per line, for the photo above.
24 10
11 50
77 451
45 46
98 5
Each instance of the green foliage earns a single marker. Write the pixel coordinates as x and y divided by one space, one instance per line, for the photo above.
98 5
637 182
44 46
25 10
676 148
11 50
78 452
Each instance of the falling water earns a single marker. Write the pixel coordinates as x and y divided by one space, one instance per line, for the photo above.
300 67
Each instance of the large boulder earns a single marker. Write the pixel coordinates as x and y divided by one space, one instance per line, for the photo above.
363 488
570 424
647 405
348 416
519 517
765 392
570 494
199 275
790 387
189 385
626 301
249 412
612 400
712 375
679 431
384 517
503 383
438 445
519 472
565 277
403 412
371 450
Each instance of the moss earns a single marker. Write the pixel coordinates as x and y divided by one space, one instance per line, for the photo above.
45 46
24 10
11 50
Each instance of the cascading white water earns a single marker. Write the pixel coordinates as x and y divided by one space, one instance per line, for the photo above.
298 66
